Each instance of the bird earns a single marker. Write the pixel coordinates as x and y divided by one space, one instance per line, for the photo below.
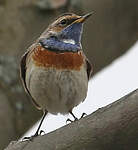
54 70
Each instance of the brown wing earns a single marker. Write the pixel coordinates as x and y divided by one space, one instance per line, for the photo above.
23 74
89 68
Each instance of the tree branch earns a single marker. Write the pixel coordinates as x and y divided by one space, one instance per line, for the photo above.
114 127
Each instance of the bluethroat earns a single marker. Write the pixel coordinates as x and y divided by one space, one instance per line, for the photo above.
54 70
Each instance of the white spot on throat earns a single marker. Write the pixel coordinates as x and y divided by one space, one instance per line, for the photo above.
70 41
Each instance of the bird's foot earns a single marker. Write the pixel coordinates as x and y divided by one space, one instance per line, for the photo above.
70 121
83 115
33 136
42 132
75 118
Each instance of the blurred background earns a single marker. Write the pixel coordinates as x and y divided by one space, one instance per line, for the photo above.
109 41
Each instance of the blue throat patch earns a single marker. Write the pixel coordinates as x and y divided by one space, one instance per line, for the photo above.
73 32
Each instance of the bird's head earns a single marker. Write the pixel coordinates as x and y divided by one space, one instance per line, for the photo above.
64 33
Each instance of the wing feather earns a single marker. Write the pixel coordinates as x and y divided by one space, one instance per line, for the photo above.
89 68
23 75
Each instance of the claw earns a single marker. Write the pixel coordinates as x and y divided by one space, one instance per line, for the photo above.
42 132
69 120
33 136
83 115
30 138
75 118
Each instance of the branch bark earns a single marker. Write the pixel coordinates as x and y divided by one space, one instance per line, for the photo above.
114 127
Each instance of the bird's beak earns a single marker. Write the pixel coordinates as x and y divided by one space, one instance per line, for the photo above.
83 18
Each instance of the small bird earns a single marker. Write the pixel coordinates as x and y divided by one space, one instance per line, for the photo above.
54 70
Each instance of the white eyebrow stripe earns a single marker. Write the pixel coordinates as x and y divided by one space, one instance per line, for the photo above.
70 41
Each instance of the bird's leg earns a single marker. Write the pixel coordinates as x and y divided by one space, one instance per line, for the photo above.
75 118
37 131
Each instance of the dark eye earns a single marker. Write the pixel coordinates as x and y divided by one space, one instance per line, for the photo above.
63 22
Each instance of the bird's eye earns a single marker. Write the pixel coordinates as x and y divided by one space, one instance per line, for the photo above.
63 22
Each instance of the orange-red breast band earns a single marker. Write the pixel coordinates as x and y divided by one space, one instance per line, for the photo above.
66 60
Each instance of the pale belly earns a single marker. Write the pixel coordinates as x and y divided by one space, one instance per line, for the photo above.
57 91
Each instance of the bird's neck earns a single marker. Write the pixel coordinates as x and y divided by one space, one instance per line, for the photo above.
60 45
68 40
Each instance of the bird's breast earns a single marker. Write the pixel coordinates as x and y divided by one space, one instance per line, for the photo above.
66 60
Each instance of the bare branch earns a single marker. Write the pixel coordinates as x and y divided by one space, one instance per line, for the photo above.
114 127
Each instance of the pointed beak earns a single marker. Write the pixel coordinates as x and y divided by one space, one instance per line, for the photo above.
83 18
